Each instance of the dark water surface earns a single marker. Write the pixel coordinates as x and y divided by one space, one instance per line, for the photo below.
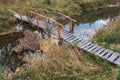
90 21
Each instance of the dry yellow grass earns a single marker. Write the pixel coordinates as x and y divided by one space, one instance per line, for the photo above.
65 62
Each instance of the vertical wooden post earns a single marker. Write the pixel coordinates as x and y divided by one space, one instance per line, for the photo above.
30 13
58 32
37 20
71 26
21 16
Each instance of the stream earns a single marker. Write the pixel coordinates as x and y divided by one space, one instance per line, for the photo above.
85 28
90 21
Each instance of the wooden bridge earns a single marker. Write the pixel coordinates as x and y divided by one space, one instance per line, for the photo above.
60 33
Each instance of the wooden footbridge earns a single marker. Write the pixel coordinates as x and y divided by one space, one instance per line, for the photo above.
60 33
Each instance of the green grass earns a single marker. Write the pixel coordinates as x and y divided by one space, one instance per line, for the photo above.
66 63
6 20
108 36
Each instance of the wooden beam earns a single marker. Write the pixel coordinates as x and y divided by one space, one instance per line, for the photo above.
68 17
21 17
71 25
48 18
37 20
58 32
30 13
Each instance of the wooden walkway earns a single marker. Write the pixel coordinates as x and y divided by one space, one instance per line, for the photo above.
90 47
70 38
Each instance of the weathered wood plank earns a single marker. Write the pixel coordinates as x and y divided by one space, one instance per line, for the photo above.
87 48
71 38
82 47
82 43
95 50
100 51
65 38
104 52
108 54
78 40
117 61
92 48
113 56
64 35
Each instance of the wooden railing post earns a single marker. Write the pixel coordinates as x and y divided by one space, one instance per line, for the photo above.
37 20
71 25
58 32
21 17
30 13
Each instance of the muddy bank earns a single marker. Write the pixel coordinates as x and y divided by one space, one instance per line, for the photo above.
20 46
9 38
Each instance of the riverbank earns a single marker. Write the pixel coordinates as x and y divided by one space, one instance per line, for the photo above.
109 36
61 63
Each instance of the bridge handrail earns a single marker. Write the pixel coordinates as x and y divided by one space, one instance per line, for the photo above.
47 18
38 15
68 17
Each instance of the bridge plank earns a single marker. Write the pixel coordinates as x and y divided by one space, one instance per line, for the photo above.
117 61
64 35
65 38
108 54
104 52
82 43
92 48
72 41
77 40
87 48
71 38
95 50
100 51
82 47
113 56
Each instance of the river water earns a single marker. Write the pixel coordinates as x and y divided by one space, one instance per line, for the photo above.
90 21
85 28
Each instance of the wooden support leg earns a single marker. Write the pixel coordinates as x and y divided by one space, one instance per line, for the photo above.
21 17
59 32
30 13
37 21
71 26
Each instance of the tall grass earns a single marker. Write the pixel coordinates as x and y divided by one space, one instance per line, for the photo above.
64 63
6 20
108 35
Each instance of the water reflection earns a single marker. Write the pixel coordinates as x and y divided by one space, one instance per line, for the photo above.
90 21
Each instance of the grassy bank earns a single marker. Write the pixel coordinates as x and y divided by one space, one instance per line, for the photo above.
6 20
109 36
64 63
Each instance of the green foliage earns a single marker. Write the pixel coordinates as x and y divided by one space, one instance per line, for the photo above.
105 37
117 77
2 69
